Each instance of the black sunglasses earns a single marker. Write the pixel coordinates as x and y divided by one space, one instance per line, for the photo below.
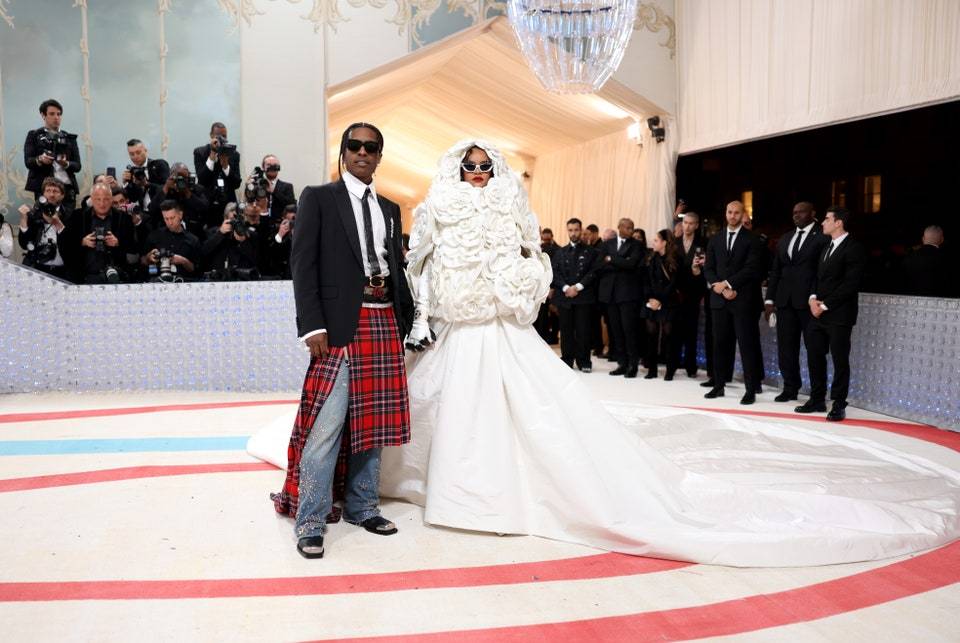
372 147
476 168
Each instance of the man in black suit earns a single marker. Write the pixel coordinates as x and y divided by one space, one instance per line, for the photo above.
621 290
926 269
194 205
217 166
788 289
733 269
50 151
547 323
352 299
280 194
574 295
833 302
144 175
691 286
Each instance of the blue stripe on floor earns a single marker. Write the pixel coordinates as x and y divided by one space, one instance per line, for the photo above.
130 445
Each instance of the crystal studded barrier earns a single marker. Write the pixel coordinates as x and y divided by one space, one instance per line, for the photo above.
241 337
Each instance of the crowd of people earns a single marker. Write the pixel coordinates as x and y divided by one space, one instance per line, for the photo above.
154 221
650 300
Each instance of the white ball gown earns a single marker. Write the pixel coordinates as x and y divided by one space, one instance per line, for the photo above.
506 438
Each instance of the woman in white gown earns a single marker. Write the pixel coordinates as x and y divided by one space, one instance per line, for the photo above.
507 439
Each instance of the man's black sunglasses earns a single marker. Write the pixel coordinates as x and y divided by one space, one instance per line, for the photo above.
372 147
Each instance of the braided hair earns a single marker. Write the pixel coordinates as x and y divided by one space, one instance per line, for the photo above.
346 136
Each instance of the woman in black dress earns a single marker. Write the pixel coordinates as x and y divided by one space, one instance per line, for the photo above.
663 298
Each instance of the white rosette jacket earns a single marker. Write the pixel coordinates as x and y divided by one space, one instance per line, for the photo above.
475 252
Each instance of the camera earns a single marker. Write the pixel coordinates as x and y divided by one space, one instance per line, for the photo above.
137 173
54 143
256 187
100 233
224 147
238 222
44 253
165 263
184 183
42 207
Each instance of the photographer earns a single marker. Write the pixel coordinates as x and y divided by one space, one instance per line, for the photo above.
281 242
100 240
280 194
172 252
143 176
50 152
254 213
230 252
182 188
42 231
217 165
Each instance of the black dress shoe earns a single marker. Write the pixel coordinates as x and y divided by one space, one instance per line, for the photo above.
620 370
691 372
632 372
668 377
651 375
714 392
837 413
758 390
811 406
708 384
786 396
310 546
748 398
586 369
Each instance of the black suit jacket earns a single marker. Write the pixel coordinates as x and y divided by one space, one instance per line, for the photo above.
282 197
37 172
742 267
327 265
620 279
573 266
926 272
690 285
790 278
208 178
838 283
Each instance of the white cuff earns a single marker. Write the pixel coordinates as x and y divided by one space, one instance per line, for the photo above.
727 283
767 302
278 238
312 333
812 297
578 286
823 307
210 164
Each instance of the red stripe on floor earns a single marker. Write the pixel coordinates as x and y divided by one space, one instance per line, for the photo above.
133 410
127 473
580 568
925 432
923 573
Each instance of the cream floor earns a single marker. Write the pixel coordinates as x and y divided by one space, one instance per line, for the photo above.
85 561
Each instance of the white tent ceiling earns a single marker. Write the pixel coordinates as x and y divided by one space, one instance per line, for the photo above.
475 83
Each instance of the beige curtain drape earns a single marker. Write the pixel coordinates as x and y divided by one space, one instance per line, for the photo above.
603 180
753 68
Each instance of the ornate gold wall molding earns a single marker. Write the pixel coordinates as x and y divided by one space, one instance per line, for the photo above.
163 7
652 18
5 12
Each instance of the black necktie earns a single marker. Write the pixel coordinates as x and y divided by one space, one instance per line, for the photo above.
829 251
796 244
730 241
368 233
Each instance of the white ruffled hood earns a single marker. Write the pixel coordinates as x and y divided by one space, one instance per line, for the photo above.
481 245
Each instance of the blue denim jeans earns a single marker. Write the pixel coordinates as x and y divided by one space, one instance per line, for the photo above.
318 463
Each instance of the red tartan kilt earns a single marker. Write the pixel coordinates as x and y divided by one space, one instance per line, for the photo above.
378 414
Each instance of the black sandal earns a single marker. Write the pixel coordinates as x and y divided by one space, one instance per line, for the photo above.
308 546
377 525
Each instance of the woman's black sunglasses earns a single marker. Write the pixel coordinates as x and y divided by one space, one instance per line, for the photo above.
372 147
476 168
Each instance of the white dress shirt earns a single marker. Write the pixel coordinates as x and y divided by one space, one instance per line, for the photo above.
806 235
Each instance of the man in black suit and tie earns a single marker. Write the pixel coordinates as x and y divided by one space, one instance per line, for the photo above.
789 286
49 151
833 302
621 289
279 193
143 176
217 166
574 295
353 307
734 271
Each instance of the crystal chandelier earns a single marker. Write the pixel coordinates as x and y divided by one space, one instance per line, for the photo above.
573 46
